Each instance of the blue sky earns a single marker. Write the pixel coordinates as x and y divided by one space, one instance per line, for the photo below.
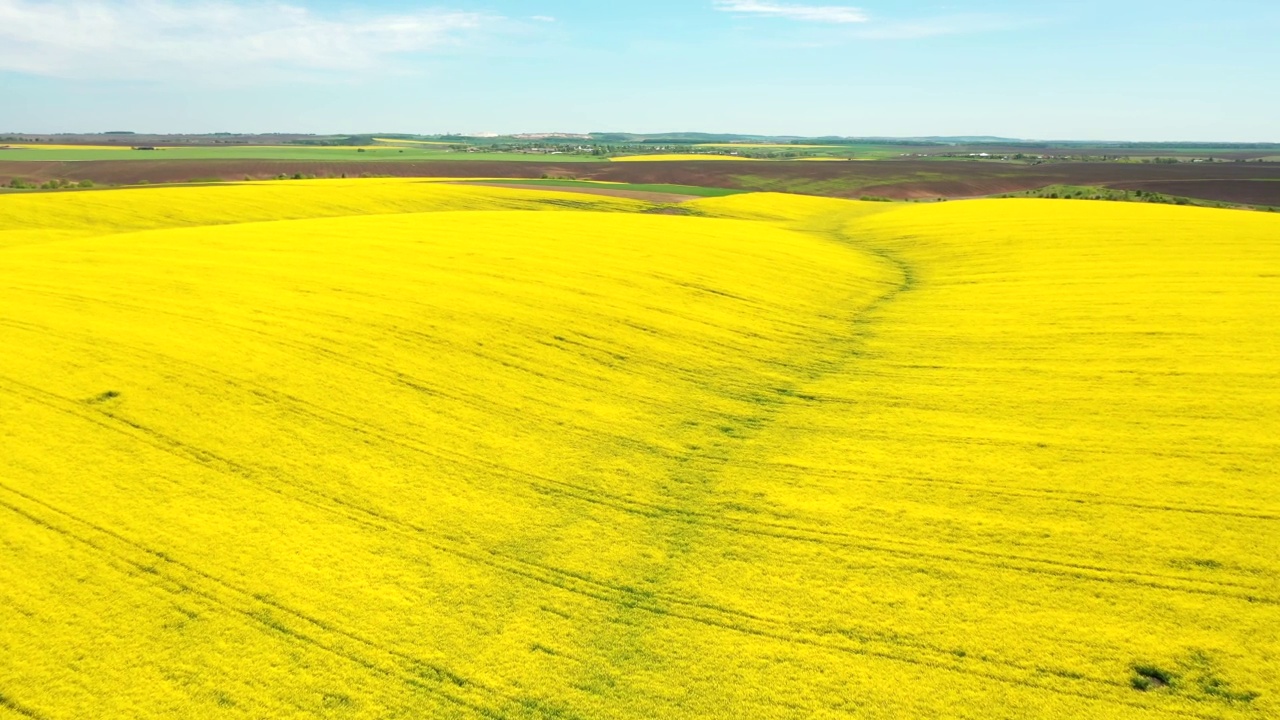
1083 69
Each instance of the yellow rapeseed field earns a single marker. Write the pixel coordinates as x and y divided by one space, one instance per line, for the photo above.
402 449
399 141
674 157
767 146
53 146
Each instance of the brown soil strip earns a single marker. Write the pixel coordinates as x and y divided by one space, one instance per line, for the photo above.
1248 192
655 197
898 179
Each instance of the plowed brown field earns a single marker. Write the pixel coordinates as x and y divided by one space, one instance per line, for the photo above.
898 179
1251 192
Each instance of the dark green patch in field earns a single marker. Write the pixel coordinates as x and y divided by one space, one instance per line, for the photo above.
671 210
546 709
334 700
1196 563
1197 676
1150 677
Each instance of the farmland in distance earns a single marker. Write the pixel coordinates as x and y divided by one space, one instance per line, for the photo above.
398 448
1240 183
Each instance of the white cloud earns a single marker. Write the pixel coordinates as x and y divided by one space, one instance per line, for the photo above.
543 18
809 13
869 29
940 26
148 39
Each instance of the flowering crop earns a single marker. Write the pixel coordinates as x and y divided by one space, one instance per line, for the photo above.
389 448
675 157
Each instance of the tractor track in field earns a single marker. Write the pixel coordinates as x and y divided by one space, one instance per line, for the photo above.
673 369
161 571
781 530
612 593
391 374
581 584
12 705
186 578
576 583
1062 496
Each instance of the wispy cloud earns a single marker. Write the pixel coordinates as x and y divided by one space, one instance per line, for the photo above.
838 14
942 25
146 39
869 28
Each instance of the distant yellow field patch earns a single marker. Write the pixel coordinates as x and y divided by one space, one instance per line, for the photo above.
412 142
49 146
670 158
310 147
764 146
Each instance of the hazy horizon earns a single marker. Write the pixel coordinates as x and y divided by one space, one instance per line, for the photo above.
941 137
